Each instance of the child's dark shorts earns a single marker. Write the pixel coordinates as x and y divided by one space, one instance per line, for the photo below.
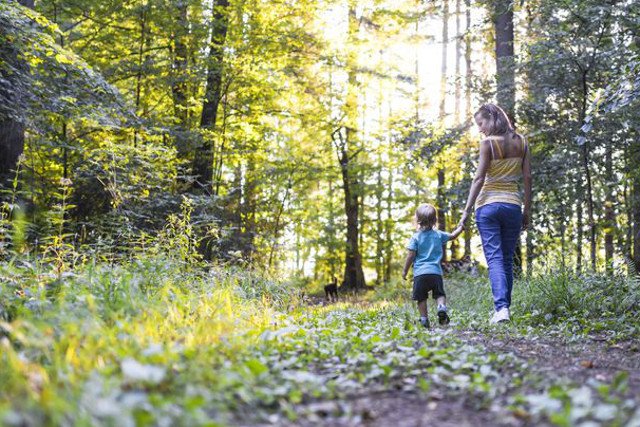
427 282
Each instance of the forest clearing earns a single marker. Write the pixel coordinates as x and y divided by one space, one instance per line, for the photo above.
319 213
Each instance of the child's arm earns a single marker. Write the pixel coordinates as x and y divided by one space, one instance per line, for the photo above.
411 256
455 233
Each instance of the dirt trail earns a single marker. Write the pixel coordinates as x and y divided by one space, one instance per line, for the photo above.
552 358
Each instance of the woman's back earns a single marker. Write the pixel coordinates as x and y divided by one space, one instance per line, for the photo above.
505 171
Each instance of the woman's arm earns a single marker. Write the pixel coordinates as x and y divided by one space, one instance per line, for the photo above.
411 256
526 174
455 233
478 180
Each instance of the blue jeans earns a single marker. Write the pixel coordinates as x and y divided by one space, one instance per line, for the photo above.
499 225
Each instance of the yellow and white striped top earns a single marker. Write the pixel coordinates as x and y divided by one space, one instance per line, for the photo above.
501 184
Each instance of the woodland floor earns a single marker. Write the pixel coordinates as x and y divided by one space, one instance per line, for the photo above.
537 363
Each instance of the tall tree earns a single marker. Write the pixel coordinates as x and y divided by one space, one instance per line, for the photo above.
203 160
11 128
442 211
505 76
467 99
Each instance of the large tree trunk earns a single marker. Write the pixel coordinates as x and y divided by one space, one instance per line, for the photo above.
505 70
203 160
353 273
11 130
505 79
347 149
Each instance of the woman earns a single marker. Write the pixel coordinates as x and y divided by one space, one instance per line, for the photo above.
504 163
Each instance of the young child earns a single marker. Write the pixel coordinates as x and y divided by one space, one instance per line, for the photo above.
425 254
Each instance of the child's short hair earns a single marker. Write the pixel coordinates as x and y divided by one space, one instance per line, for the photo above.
426 216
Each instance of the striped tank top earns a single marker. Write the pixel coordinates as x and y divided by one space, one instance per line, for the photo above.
501 184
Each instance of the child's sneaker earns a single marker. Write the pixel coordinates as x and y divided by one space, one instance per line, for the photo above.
424 321
443 317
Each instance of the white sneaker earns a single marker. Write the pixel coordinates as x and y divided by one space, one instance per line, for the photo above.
501 315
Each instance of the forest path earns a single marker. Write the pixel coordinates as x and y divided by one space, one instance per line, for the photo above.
511 379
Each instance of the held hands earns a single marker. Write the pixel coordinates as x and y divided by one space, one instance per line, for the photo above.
463 220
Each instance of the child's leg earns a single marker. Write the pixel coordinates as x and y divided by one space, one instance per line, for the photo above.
442 301
422 308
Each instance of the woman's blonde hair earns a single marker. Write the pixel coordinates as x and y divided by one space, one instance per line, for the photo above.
426 216
500 123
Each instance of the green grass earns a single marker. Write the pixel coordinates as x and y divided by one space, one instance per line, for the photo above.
161 341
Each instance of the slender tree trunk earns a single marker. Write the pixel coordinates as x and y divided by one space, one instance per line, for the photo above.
389 224
456 111
333 248
441 205
203 160
635 203
179 81
587 174
379 261
609 212
467 100
579 222
458 81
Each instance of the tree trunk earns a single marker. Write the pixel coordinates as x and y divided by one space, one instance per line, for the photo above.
347 149
467 100
456 109
203 160
635 203
579 224
353 274
389 225
587 174
179 86
505 79
505 71
11 130
441 204
379 261
442 219
609 212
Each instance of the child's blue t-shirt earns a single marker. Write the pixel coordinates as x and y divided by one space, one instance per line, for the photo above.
428 247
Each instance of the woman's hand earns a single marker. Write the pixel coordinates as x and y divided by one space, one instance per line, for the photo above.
464 218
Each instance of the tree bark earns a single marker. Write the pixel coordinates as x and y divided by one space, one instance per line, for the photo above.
587 174
579 223
505 71
467 100
505 79
635 204
11 129
353 273
441 205
456 108
609 212
203 160
179 86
